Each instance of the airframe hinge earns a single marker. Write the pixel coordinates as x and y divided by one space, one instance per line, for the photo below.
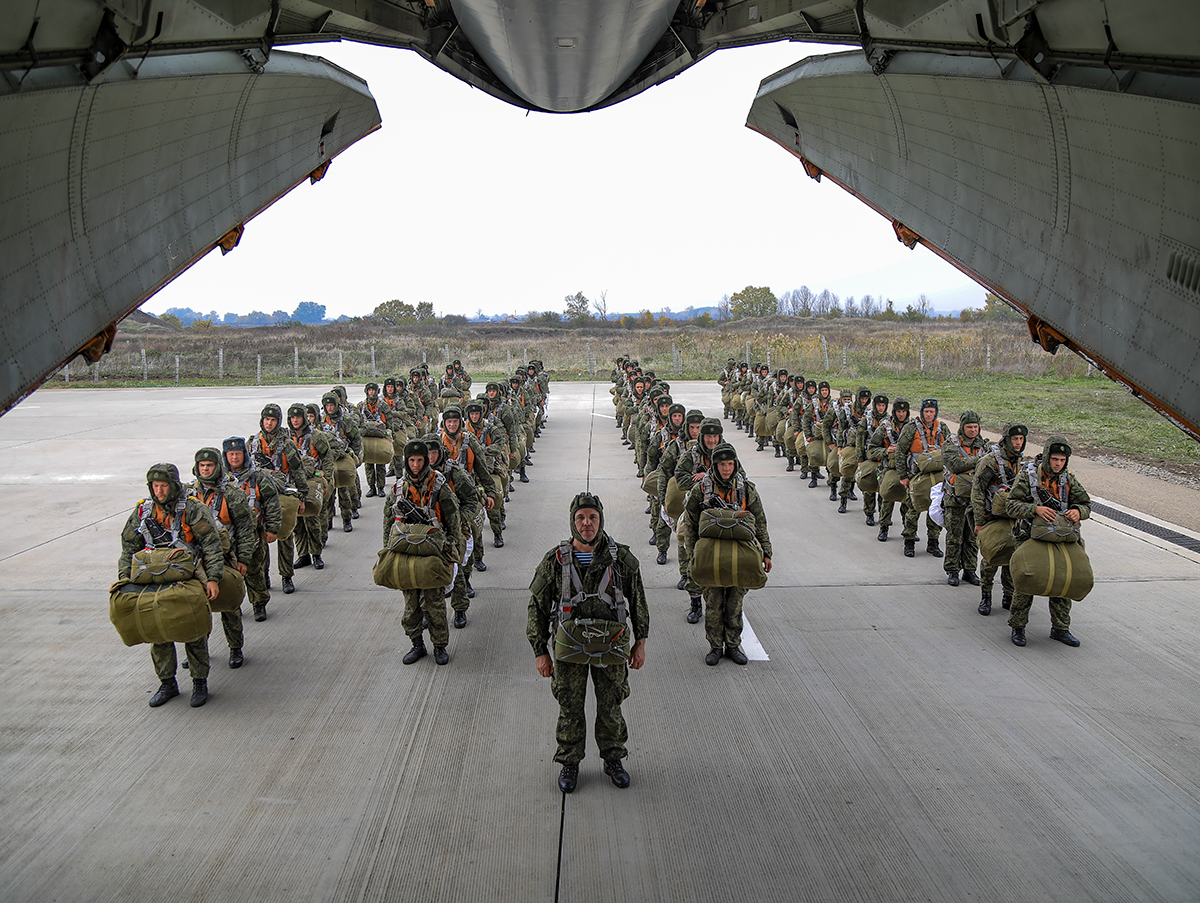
811 168
319 173
99 345
230 239
1034 52
1046 335
905 235
107 47
879 59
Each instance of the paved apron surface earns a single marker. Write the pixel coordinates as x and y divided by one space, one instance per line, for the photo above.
893 746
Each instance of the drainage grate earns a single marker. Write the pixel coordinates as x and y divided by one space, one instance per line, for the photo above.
1172 536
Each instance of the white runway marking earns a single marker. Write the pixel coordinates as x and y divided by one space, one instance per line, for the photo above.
608 416
750 644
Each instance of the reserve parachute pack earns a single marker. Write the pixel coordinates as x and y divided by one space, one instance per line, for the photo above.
590 641
727 552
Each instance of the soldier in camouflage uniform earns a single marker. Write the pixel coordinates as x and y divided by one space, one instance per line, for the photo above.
882 448
263 496
349 414
829 432
725 486
997 470
345 440
796 427
659 442
694 462
465 450
813 428
317 457
150 525
1046 489
960 457
924 433
230 508
429 492
867 425
271 449
850 415
372 410
604 581
493 440
672 452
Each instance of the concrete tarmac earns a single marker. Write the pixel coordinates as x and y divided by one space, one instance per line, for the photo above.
887 744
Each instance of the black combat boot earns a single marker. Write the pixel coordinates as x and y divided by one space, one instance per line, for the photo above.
460 619
871 519
318 563
882 537
354 514
497 539
833 491
934 549
714 656
985 601
288 587
416 653
1018 636
568 778
682 584
303 561
236 658
616 771
470 589
812 484
952 578
1006 601
971 577
852 496
260 608
910 548
440 655
479 565
521 473
370 491
736 655
778 452
842 507
347 527
791 463
1063 635
199 692
662 558
168 689
697 610
528 462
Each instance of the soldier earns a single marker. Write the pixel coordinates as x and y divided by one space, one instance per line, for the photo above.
924 434
655 459
464 450
169 518
1046 489
345 441
350 416
491 436
317 457
725 380
672 454
829 432
426 492
230 508
271 449
960 456
870 422
813 428
263 498
373 414
517 406
996 471
588 576
882 448
850 415
796 427
725 486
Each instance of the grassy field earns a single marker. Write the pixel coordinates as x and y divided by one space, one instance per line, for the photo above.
993 369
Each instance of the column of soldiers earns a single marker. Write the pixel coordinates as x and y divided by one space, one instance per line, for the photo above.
233 511
860 426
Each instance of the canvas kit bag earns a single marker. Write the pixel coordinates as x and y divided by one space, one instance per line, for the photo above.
868 476
816 452
1052 569
926 461
651 483
921 487
996 542
396 570
164 565
1062 530
160 612
849 461
727 551
890 487
231 592
318 491
675 499
343 471
378 449
290 503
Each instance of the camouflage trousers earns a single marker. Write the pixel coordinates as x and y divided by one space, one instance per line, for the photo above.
723 615
285 555
885 513
988 574
869 501
1060 611
165 662
256 572
685 568
419 603
356 492
568 683
376 475
658 524
496 515
231 623
308 535
847 484
911 518
458 594
477 536
962 549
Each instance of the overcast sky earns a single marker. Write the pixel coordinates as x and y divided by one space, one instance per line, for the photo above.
665 200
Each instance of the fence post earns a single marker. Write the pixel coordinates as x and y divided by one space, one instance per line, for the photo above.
825 351
373 374
747 353
843 358
144 371
220 363
768 358
340 377
177 369
446 348
296 362
591 369
508 351
988 364
67 372
96 372
258 372
922 358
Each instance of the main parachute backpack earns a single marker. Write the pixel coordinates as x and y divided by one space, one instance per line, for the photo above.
590 641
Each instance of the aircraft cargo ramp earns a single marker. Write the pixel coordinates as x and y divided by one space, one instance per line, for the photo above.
887 743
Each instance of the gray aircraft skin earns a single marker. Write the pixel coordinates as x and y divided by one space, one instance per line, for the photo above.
1048 148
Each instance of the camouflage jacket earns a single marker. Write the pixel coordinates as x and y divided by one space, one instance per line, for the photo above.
210 564
231 509
261 494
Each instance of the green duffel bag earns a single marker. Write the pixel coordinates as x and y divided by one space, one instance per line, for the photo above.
231 592
652 481
727 562
375 430
675 499
378 449
343 472
848 461
416 539
927 461
169 565
1000 503
1052 569
815 451
832 462
920 487
1062 530
890 487
725 523
399 571
789 443
737 402
318 491
160 612
591 641
290 504
449 393
996 542
868 476
772 421
780 431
